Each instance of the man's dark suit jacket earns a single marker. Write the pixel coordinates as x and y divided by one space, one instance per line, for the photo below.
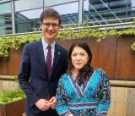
33 77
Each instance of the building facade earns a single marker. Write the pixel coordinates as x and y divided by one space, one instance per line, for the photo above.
19 16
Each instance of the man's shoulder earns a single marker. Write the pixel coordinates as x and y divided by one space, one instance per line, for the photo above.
33 44
60 47
64 77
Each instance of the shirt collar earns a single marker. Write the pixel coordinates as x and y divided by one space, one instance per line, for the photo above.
45 44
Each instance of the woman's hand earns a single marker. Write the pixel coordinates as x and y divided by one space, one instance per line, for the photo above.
52 102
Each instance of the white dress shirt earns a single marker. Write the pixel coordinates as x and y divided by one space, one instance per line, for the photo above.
45 45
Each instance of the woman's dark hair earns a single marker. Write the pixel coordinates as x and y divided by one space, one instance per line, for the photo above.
49 12
87 70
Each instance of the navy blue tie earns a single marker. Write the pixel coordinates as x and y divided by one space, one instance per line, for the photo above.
49 60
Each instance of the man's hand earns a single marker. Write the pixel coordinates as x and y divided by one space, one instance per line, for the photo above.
52 102
42 104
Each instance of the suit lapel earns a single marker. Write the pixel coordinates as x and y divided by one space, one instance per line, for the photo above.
57 55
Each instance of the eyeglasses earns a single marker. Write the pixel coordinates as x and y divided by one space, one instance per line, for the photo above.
51 24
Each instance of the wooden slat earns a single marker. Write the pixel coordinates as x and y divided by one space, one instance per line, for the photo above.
8 77
122 83
122 102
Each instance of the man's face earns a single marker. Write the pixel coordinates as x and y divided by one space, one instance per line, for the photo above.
50 27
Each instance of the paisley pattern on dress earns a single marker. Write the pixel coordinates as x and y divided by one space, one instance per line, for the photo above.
91 99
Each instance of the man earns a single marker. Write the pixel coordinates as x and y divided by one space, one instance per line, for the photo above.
42 65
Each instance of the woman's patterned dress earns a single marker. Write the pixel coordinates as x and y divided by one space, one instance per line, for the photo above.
91 99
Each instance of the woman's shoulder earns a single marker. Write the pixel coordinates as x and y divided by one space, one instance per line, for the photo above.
100 70
102 73
64 77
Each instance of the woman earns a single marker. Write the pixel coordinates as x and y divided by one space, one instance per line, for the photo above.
82 91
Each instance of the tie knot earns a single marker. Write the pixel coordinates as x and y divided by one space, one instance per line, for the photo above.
49 47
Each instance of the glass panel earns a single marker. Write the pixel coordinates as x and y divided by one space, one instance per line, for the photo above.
28 21
2 1
5 8
106 11
133 4
27 15
56 2
5 18
68 12
21 5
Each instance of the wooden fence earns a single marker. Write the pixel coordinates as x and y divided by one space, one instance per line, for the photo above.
113 55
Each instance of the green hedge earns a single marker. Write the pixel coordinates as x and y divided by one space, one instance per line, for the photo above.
18 41
10 96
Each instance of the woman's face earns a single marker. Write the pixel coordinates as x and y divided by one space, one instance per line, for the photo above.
79 58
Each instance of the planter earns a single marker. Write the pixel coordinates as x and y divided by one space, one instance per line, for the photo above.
4 59
12 109
10 66
8 83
